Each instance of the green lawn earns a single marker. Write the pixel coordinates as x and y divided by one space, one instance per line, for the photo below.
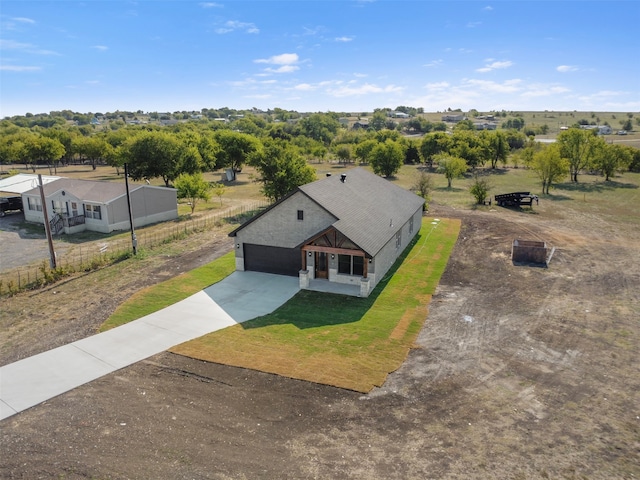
167 293
338 340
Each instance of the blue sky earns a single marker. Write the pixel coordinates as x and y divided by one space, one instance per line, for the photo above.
357 55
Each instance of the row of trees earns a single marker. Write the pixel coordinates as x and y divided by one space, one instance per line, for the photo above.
280 151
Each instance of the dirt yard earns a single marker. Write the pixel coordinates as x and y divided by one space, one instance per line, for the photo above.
518 373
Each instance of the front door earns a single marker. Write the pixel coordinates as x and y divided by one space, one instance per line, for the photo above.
321 270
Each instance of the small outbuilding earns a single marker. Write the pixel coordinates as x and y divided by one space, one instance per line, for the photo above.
347 229
76 205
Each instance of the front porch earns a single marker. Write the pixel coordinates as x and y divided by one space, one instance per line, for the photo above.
319 285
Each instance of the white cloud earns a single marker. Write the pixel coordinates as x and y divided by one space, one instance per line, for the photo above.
508 86
537 90
283 69
366 89
19 68
437 86
283 59
233 25
101 48
473 24
495 66
344 39
566 68
23 20
304 87
488 8
434 63
211 5
25 47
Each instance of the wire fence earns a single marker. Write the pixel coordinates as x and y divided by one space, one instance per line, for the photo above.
97 254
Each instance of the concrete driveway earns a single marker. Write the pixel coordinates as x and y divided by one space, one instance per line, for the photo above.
238 298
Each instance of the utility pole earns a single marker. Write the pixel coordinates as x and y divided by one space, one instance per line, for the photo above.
134 240
47 225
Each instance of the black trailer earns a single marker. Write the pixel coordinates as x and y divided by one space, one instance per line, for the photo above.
516 199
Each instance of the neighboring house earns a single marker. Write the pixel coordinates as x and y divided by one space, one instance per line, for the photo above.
346 229
361 124
77 205
601 129
455 118
400 115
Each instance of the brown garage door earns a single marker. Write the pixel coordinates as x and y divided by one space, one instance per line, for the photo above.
262 258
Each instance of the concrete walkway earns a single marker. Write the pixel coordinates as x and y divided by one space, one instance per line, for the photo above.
238 298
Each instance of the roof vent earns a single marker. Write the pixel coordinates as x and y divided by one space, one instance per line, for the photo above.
343 177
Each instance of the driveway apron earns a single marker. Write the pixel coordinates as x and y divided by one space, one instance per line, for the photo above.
239 297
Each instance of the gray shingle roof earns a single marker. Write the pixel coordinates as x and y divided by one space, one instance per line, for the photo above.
87 190
370 209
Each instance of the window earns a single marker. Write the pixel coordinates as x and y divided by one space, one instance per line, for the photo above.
344 264
34 204
92 211
74 209
411 225
300 214
351 265
57 205
398 239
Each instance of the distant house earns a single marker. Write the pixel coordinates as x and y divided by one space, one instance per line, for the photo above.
454 117
346 229
77 205
400 115
485 125
600 129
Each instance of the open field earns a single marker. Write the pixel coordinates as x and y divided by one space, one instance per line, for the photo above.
517 373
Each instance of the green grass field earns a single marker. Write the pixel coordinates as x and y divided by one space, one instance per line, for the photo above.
338 340
167 293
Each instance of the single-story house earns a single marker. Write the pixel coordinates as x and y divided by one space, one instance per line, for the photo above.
77 205
347 229
454 117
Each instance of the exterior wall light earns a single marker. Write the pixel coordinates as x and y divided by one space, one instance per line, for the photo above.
237 245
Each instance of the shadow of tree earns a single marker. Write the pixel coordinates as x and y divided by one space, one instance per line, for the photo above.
596 187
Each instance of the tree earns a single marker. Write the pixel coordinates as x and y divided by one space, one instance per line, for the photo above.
550 166
469 146
320 126
432 145
378 121
452 167
343 152
42 149
497 147
423 187
363 150
281 168
235 149
386 158
91 148
579 148
193 187
613 158
153 154
218 190
480 189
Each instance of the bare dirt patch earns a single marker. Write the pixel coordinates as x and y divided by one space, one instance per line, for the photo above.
519 372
